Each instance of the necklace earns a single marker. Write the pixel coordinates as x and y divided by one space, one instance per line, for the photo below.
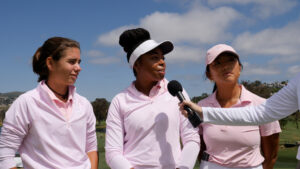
63 96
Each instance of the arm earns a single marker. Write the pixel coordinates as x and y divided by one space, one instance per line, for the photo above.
190 140
14 129
114 139
298 165
298 158
269 146
280 105
93 156
91 138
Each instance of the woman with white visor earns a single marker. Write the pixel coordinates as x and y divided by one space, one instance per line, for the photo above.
144 128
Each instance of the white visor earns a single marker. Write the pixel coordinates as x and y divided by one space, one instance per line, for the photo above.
147 46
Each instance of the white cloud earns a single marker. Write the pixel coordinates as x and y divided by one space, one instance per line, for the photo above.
294 69
105 60
283 41
112 38
183 54
259 70
97 57
198 26
261 8
283 59
94 53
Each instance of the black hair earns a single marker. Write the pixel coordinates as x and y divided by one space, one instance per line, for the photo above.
131 39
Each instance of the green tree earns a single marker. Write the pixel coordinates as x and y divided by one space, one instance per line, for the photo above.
100 106
196 99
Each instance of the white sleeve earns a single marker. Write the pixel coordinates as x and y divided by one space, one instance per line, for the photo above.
298 154
280 105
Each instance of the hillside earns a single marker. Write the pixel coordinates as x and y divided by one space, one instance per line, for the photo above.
8 98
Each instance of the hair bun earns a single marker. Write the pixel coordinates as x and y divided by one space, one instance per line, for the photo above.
132 38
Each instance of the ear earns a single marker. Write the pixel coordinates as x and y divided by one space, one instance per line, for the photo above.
50 63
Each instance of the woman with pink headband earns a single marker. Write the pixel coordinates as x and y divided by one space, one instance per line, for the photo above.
144 128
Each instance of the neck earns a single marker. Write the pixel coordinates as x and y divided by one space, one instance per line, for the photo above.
228 95
60 91
144 87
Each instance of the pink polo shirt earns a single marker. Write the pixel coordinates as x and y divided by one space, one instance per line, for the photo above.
236 146
145 131
36 128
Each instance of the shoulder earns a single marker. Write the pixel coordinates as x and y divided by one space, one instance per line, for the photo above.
207 101
121 98
26 97
249 96
81 100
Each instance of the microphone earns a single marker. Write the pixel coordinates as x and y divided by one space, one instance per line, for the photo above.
175 89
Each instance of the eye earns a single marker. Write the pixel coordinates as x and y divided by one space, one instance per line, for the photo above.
74 61
155 57
216 63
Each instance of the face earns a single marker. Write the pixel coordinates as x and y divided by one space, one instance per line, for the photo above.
151 66
66 70
224 69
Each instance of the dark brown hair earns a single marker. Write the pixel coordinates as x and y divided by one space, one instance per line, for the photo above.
53 47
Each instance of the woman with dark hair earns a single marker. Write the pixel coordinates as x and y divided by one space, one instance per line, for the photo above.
251 147
51 126
143 126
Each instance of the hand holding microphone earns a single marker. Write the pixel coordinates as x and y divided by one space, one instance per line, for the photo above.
175 89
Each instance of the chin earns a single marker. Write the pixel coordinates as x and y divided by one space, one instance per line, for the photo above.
72 82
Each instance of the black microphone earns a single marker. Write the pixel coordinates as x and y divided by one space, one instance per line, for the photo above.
175 89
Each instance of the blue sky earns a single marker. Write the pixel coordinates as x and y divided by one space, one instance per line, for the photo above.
265 33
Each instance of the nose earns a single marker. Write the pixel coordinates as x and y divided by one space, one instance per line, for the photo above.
78 68
162 61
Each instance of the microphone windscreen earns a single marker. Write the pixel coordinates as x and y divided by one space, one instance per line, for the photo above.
174 87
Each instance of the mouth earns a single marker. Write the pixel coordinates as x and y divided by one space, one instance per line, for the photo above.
162 71
227 73
74 76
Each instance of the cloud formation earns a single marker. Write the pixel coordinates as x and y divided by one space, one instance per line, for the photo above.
250 69
198 26
182 54
294 69
97 57
282 41
260 8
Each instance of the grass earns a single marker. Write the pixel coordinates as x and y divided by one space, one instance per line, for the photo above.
286 156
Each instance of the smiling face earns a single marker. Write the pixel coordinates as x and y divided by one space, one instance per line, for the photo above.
65 71
151 66
224 69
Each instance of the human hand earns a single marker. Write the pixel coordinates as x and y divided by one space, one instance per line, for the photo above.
192 105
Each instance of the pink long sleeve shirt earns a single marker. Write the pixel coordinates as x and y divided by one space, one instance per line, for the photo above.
44 135
144 131
236 146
